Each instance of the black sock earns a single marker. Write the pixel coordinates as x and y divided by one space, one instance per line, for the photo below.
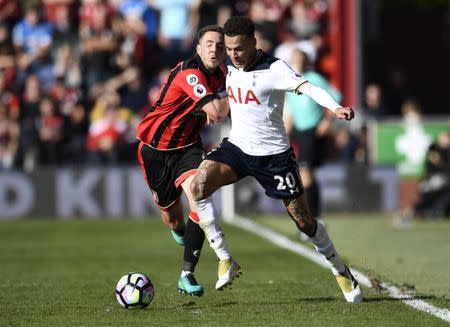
313 199
193 243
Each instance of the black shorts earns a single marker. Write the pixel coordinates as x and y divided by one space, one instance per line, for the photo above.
166 170
310 148
277 174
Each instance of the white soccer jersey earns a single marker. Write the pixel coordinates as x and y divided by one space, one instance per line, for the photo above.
256 97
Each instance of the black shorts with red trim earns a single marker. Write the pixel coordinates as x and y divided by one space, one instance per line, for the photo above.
166 170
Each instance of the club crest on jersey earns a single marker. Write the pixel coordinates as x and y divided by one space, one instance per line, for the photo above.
199 90
192 79
243 97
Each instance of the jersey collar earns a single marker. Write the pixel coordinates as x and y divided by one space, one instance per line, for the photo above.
258 59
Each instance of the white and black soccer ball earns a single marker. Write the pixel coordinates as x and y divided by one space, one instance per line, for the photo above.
134 290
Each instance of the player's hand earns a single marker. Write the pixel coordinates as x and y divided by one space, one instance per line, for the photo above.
346 113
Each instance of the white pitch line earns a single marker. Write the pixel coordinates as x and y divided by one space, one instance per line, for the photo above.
284 242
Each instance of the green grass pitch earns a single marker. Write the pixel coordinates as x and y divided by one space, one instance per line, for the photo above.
63 273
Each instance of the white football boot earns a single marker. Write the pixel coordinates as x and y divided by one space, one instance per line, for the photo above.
349 286
228 270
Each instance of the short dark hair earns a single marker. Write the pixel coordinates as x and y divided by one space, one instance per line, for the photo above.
209 28
239 25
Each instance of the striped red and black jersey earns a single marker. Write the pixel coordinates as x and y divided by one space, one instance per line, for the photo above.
176 119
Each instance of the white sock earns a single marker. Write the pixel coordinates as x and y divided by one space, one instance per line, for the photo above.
324 246
185 273
210 225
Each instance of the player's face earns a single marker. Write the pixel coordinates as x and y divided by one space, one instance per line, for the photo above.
211 49
240 49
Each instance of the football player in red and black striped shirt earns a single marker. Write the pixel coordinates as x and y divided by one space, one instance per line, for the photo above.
171 150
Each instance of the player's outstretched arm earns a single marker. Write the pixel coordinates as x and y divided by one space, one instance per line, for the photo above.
325 100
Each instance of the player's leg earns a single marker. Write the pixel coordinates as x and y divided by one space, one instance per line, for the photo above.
155 164
211 176
187 163
221 167
298 210
193 242
278 174
173 217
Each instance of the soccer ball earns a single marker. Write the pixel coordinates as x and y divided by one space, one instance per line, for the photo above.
134 290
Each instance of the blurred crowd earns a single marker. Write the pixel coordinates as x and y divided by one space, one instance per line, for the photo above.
77 75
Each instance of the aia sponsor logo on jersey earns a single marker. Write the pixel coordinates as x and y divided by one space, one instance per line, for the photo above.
242 96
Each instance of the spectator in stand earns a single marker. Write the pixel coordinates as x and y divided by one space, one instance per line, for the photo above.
345 144
266 15
7 56
104 137
177 28
139 24
108 126
62 15
305 17
75 134
135 92
30 99
134 99
311 46
9 139
99 43
32 39
374 107
9 12
49 125
9 99
434 187
67 71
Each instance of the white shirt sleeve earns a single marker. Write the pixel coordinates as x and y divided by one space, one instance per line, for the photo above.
319 95
285 78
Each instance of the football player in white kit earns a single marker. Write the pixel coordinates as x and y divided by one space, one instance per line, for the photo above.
258 146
